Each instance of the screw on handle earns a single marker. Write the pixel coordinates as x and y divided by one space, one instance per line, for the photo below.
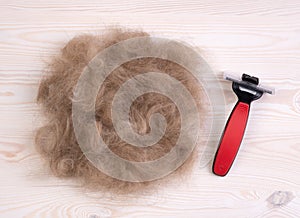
231 139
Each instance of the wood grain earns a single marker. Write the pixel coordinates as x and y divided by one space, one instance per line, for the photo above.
257 37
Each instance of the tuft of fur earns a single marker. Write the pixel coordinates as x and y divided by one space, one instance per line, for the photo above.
56 141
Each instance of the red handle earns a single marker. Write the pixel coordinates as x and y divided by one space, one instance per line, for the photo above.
231 139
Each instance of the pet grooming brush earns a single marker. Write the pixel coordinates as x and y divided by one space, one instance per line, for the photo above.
247 90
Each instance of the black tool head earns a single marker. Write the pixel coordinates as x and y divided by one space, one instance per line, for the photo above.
248 88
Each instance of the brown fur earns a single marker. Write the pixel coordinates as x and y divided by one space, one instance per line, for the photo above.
56 140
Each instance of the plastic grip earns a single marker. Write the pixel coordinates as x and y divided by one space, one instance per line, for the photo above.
231 139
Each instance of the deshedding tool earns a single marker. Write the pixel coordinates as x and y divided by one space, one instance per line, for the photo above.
247 90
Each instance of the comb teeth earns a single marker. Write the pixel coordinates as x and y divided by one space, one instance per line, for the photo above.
249 85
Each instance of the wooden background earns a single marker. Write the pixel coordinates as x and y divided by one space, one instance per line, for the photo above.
257 37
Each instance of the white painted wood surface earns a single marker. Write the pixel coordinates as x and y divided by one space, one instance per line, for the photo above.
258 37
